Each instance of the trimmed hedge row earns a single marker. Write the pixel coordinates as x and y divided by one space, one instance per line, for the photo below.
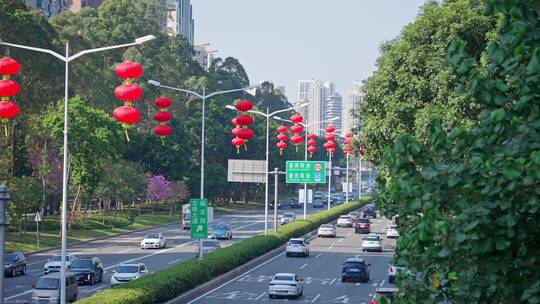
169 283
51 223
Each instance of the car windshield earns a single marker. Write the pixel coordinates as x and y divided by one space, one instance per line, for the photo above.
58 258
326 226
372 238
186 216
208 244
82 264
47 283
152 236
392 227
9 258
363 221
283 278
345 217
295 242
221 227
127 269
290 215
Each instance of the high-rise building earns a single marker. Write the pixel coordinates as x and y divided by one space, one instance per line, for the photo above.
76 5
180 19
204 55
355 98
315 92
47 8
334 108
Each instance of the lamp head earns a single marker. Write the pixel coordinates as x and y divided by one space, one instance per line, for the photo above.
154 83
230 107
144 39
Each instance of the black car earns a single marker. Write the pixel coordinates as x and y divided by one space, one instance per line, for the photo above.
369 212
88 271
271 204
14 263
355 269
295 203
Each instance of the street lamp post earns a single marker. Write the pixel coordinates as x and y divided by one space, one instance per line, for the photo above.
67 59
306 126
267 116
203 97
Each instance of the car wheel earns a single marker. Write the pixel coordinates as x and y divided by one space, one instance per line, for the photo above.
23 270
74 297
343 280
92 280
13 272
270 296
391 280
287 254
164 244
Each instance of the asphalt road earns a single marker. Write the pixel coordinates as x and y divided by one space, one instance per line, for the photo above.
125 249
321 272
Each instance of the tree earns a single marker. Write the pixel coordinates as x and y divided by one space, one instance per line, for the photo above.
25 198
412 84
122 182
468 200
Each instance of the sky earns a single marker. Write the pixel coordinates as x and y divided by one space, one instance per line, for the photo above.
290 40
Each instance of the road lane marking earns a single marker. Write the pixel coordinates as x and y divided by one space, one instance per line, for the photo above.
332 282
94 289
382 283
340 240
315 299
18 295
259 297
303 266
331 247
348 234
318 255
175 261
374 284
357 256
125 250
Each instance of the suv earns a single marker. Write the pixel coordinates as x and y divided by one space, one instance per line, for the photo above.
355 269
361 225
14 263
88 270
318 203
271 204
297 247
287 218
295 203
369 212
47 288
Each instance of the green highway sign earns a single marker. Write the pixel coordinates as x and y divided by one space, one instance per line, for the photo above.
198 214
305 172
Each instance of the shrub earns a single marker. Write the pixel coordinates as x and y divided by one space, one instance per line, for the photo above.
173 281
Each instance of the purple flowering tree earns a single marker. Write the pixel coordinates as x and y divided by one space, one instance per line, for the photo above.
158 189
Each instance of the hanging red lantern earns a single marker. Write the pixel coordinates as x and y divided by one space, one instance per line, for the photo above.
128 92
235 131
243 105
8 87
282 129
162 116
9 66
329 137
127 115
329 145
330 129
348 135
281 137
237 142
8 109
312 136
128 70
297 118
163 130
234 123
311 150
297 129
244 133
244 120
297 139
332 150
347 142
312 142
162 102
281 146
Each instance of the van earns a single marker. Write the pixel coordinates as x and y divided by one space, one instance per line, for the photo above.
47 288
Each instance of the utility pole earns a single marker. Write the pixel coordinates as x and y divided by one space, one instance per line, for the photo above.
4 198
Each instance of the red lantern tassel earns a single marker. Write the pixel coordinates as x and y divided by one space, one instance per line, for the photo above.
245 147
163 140
280 151
125 131
6 129
237 149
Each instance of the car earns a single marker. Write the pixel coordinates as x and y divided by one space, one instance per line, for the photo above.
355 215
14 263
287 218
345 221
318 203
393 272
128 272
285 285
355 269
295 203
208 246
54 264
271 204
87 271
153 240
372 242
221 231
391 231
186 221
327 230
47 289
369 212
362 225
297 246
387 293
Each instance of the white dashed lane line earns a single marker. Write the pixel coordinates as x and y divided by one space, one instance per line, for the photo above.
175 261
318 255
315 299
260 296
303 266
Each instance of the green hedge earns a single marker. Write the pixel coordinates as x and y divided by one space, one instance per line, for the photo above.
168 283
52 223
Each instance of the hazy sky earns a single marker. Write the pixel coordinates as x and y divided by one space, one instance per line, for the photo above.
290 40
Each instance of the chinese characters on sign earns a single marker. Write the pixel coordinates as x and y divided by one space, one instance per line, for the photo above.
306 172
198 210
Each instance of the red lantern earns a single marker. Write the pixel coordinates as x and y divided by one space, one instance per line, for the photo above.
297 118
312 136
329 145
281 137
311 150
162 102
128 70
297 139
8 87
281 146
282 129
237 142
296 128
329 137
332 150
162 130
162 116
244 133
128 92
126 115
312 142
244 105
9 66
347 142
348 135
244 120
8 109
330 129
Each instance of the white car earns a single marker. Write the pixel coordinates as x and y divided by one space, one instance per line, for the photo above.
287 218
391 231
345 221
128 272
153 240
372 242
297 247
327 230
54 264
392 273
285 285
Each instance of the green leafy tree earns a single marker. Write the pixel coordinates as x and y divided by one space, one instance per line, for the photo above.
25 198
122 182
468 200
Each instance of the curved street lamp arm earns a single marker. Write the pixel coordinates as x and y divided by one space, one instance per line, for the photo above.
105 48
55 54
225 92
181 90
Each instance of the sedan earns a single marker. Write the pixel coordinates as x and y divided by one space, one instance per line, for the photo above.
327 230
372 242
221 231
285 285
287 218
14 263
391 231
153 240
345 221
128 272
54 264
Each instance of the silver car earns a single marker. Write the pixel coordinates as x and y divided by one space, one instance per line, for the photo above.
285 285
327 230
47 289
209 246
128 272
287 218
